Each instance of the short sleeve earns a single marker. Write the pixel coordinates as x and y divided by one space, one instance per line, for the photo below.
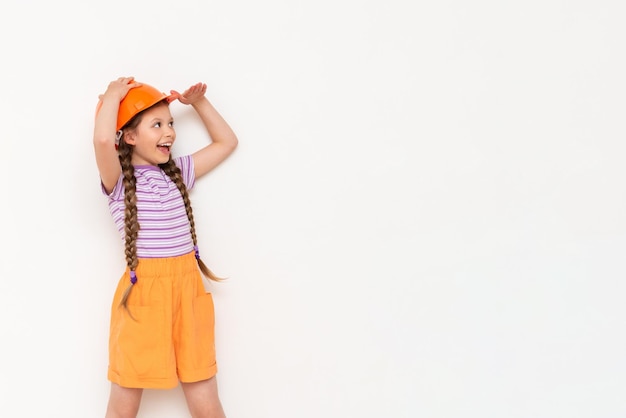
116 193
185 164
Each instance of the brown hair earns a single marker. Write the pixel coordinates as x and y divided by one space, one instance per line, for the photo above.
131 229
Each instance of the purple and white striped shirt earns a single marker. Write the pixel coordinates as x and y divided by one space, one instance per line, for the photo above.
164 227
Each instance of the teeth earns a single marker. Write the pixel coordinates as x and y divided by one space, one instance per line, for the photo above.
167 145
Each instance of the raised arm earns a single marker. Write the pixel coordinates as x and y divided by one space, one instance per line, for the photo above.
223 139
104 130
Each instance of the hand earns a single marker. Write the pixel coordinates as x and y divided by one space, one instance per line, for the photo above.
189 96
119 88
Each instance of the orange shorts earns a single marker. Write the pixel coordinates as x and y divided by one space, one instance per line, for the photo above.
171 337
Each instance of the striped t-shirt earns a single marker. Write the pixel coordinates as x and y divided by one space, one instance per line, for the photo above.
164 229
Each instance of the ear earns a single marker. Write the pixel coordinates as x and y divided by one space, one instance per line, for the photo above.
129 137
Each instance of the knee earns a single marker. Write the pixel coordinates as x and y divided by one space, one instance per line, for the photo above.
123 402
215 411
118 411
120 414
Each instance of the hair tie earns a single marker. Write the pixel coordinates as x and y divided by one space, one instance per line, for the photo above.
133 277
195 248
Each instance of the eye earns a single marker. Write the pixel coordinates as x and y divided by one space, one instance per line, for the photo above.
171 124
157 125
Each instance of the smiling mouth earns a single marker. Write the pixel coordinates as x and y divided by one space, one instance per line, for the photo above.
166 145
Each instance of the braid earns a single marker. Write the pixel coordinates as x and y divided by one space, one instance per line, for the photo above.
173 172
130 215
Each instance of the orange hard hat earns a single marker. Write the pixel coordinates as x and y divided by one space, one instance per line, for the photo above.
137 99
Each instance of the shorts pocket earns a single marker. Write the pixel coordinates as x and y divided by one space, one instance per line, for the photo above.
140 343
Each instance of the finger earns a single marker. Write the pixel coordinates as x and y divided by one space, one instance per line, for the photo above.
125 80
173 96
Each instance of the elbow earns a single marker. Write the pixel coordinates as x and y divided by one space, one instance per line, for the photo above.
102 142
233 143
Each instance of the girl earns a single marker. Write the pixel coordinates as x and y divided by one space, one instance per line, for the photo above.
162 318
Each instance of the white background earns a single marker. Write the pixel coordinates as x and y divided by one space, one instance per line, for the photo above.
425 216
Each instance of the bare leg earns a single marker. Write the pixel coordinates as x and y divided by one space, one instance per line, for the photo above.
202 399
123 402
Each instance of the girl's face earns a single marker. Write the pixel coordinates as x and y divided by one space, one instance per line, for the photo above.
153 137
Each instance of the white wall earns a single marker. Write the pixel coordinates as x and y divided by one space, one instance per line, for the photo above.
425 217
